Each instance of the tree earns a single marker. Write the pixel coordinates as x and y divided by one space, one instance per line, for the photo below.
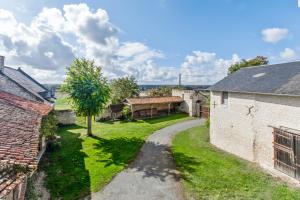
161 92
122 88
88 89
258 60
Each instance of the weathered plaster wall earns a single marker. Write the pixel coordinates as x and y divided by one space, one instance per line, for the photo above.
190 104
242 127
66 117
11 87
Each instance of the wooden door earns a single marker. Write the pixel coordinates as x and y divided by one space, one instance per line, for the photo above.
284 159
297 155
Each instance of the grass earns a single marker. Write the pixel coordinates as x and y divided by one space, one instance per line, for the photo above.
62 104
209 173
85 164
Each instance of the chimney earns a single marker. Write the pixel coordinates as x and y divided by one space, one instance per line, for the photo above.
2 63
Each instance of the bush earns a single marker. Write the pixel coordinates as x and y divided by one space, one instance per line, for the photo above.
126 112
49 126
207 123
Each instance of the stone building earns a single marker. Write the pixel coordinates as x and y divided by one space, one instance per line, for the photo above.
21 145
255 114
193 101
17 82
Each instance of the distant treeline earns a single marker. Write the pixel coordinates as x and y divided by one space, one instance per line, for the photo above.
144 87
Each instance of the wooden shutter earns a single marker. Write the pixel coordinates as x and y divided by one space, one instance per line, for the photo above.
284 159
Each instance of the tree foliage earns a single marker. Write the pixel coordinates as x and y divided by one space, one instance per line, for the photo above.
160 92
126 112
88 89
49 125
122 88
258 60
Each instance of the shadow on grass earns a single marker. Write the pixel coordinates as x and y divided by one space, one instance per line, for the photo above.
154 160
66 174
121 150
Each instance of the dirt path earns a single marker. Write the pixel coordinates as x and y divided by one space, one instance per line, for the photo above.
152 175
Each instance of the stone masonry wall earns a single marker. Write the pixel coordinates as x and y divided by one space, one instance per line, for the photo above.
66 117
244 126
9 86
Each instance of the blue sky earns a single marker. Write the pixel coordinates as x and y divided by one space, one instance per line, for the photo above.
152 40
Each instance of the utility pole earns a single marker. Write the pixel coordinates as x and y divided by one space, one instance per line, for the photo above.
179 80
188 75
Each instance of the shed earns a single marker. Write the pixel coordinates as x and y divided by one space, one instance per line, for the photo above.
143 107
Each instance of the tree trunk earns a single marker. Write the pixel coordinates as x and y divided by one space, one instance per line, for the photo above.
89 126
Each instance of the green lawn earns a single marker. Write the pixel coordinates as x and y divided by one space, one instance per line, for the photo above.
85 164
62 104
209 173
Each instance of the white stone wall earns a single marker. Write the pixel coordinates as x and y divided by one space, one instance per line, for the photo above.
65 117
190 98
242 127
187 96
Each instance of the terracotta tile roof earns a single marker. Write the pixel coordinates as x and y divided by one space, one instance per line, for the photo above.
20 121
40 108
9 179
153 100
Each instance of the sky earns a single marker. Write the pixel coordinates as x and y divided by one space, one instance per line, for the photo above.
153 40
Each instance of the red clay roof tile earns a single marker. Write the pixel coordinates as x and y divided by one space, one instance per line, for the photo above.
154 100
40 108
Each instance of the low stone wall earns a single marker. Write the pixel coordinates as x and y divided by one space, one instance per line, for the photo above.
66 117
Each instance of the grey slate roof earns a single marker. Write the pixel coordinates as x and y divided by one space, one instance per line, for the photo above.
26 81
279 79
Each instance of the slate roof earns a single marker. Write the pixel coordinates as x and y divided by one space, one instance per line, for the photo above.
20 120
23 79
153 100
279 79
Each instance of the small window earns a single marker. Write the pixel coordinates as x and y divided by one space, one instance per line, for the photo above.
224 98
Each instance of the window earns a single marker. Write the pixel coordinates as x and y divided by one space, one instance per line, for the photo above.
224 100
286 152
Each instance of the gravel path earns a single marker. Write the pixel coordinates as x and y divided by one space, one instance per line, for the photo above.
152 175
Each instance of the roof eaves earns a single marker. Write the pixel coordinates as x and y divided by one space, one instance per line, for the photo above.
263 93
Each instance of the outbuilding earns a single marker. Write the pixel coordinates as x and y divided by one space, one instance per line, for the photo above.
255 114
143 107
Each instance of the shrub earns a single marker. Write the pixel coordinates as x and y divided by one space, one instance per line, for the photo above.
126 112
49 125
207 123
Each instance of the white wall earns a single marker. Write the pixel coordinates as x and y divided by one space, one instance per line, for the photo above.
249 135
189 105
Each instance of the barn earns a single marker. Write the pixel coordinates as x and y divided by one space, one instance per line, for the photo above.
255 114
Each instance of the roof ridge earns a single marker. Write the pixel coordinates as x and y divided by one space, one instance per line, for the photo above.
25 88
269 65
20 70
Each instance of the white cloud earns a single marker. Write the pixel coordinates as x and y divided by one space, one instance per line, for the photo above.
55 37
274 35
288 54
207 65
